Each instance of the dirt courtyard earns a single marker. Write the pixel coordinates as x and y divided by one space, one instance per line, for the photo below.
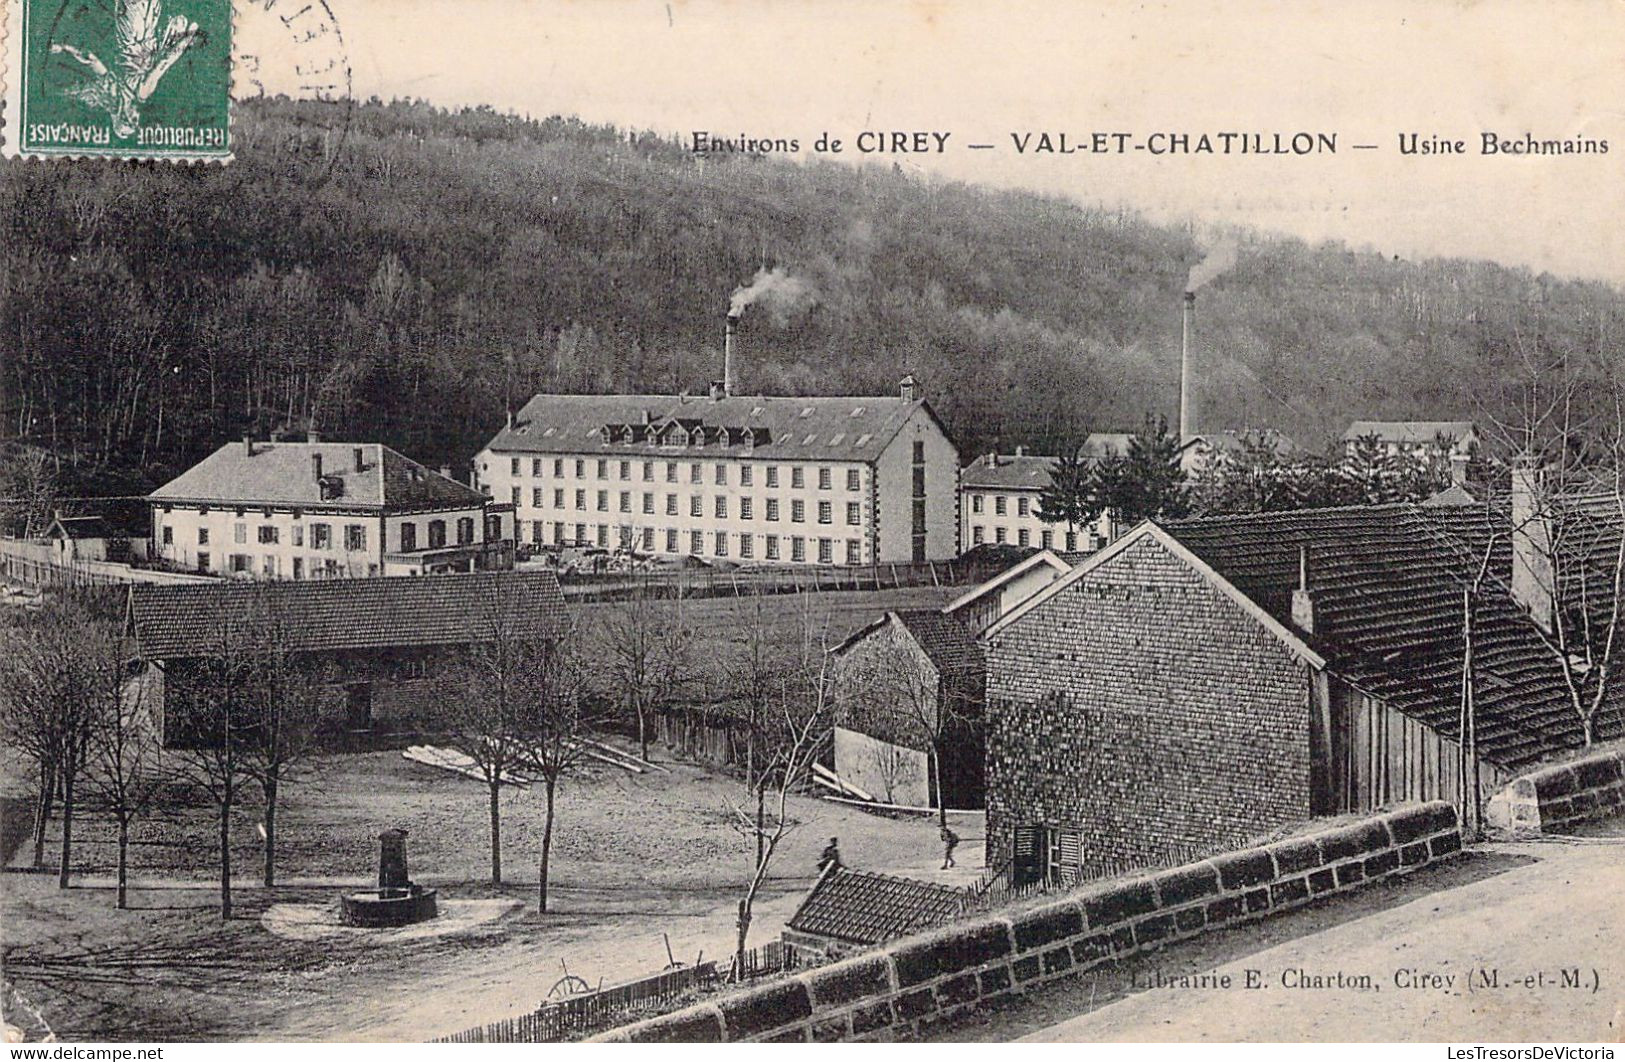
635 857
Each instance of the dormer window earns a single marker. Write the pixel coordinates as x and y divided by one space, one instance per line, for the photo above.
757 411
857 411
806 411
548 432
863 440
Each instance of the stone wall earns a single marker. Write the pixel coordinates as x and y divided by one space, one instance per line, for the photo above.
903 988
1146 710
1558 798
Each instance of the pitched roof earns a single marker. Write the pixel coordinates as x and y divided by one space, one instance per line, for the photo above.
945 641
284 473
185 620
1007 472
809 429
861 907
1240 440
1043 557
1387 582
1411 431
79 527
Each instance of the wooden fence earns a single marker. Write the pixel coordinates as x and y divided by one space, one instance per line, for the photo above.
35 565
565 1019
744 582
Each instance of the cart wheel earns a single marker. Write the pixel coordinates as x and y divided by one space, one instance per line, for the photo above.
568 985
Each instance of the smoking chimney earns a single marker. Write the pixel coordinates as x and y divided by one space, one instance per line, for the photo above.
728 354
1185 406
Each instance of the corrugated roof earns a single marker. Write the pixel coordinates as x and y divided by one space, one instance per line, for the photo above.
1386 583
459 609
809 429
1411 431
861 907
284 473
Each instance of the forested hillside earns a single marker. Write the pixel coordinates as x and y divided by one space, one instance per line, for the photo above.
398 273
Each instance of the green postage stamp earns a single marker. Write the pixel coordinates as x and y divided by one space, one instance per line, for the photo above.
141 79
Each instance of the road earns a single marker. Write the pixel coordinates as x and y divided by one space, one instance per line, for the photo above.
1403 962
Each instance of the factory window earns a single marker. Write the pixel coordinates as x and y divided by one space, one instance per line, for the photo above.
798 548
202 562
242 562
854 513
722 544
671 505
409 537
671 540
696 505
772 475
536 466
747 508
581 534
722 507
514 466
976 503
202 536
437 533
239 533
602 501
826 551
1022 505
798 477
321 536
744 475
465 530
538 497
581 498
602 471
772 508
824 477
851 479
355 537
558 533
626 470
581 467
558 468
299 534
671 471
854 551
648 540
558 497
1001 505
513 495
722 475
826 513
537 532
1047 539
626 501
268 565
976 534
745 547
1024 537
798 511
695 473
696 542
998 534
648 471
648 504
772 545
603 535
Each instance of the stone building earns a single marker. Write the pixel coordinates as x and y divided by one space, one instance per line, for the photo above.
325 510
1193 686
737 479
376 645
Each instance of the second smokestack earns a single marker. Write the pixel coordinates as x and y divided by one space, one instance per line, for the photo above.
728 354
1185 403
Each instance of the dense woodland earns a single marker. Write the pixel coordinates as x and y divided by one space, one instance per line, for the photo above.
400 273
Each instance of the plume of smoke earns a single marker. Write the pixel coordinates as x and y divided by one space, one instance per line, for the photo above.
1218 261
783 294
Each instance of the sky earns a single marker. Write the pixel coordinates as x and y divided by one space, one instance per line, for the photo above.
983 72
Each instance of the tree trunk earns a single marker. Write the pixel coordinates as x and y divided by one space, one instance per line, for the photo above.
547 850
643 732
496 834
761 816
123 861
270 788
42 818
1587 728
67 832
225 855
936 773
739 948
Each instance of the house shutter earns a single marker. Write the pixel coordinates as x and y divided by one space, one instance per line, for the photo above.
1027 857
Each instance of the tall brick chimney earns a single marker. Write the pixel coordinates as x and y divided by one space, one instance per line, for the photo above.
1532 575
728 354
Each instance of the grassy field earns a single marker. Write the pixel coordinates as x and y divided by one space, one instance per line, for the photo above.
637 859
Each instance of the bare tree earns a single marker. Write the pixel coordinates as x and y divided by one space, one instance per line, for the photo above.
558 731
795 733
124 774
646 650
895 766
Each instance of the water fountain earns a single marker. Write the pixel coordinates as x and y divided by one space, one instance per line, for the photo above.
396 901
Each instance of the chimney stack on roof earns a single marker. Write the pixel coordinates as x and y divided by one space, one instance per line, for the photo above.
1458 467
719 390
445 470
316 466
907 388
1020 451
248 446
1303 605
1531 541
360 463
313 436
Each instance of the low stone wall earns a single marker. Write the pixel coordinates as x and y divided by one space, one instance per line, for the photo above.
899 989
1558 798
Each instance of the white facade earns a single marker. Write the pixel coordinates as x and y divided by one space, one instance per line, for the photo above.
999 504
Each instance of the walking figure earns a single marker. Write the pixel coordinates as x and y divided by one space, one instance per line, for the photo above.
831 856
950 841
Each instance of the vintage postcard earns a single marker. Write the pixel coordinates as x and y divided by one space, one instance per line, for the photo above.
686 521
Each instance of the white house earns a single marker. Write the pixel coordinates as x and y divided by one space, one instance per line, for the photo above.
845 481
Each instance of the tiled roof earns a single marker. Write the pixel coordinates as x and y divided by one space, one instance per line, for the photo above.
81 526
809 429
944 639
860 907
1007 472
458 609
1411 431
1238 441
1387 583
284 473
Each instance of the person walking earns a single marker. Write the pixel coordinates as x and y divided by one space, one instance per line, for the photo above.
950 841
831 856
